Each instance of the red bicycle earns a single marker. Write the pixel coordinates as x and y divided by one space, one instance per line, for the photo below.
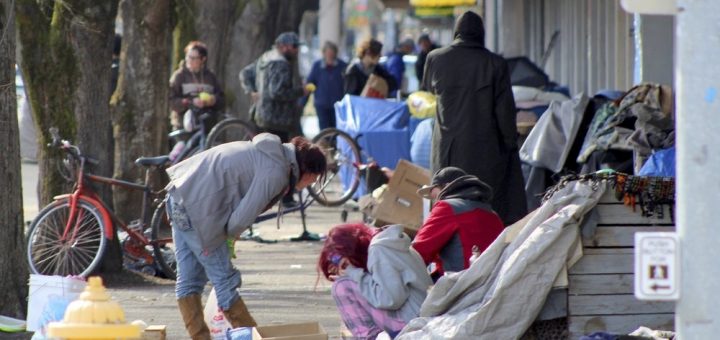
69 235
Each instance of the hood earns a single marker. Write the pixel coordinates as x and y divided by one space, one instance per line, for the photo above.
270 56
467 187
392 237
469 27
270 145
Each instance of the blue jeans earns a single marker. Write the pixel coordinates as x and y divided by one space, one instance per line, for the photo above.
326 117
195 266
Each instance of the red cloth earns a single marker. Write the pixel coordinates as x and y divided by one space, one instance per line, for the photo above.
475 226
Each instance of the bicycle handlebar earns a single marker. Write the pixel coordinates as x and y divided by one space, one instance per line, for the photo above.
68 147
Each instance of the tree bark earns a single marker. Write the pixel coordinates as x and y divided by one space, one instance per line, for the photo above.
67 54
140 103
50 73
13 288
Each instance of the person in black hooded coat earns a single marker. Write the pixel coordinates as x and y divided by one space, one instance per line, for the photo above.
475 128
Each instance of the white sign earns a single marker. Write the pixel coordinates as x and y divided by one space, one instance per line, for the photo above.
662 7
657 270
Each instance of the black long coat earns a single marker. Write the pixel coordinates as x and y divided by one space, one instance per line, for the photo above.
476 128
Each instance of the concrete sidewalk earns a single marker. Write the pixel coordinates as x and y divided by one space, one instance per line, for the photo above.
279 280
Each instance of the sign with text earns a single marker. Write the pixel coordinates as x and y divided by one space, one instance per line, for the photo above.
657 270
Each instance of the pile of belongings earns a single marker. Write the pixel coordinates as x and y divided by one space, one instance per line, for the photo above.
607 131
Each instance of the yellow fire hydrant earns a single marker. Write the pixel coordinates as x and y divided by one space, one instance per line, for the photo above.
93 316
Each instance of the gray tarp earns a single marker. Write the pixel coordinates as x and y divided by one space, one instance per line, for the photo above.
548 144
503 291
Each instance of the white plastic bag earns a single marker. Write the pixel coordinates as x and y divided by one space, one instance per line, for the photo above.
215 319
189 123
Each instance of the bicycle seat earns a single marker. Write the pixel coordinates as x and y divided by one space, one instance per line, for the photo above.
150 161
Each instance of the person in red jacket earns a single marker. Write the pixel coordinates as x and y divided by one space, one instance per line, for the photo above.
460 219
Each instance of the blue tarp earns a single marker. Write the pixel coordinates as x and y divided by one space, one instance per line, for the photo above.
384 128
661 164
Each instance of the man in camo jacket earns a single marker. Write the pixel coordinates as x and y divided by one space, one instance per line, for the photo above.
270 82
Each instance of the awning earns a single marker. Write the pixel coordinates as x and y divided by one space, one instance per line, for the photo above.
396 3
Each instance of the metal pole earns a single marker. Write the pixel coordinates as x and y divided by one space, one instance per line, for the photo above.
329 26
697 75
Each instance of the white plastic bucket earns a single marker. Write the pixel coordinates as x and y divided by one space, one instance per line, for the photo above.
45 289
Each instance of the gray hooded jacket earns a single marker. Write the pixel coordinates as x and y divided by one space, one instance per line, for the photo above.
224 189
397 278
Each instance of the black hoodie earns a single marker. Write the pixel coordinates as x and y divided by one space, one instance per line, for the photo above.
467 187
475 128
469 27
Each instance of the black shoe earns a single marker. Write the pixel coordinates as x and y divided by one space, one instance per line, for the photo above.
290 204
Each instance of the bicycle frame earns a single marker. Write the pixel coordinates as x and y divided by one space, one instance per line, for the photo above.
84 192
197 138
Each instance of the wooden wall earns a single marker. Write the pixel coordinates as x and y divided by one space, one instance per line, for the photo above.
600 291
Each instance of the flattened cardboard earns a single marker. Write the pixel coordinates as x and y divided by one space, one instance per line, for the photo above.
298 331
400 204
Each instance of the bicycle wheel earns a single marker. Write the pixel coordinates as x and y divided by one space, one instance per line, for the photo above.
342 176
162 242
79 253
229 130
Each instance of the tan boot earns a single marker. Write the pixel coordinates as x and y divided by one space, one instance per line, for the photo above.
239 316
192 313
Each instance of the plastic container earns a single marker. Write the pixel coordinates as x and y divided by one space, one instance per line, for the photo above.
11 325
45 289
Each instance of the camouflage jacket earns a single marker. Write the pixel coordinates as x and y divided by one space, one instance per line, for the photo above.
271 77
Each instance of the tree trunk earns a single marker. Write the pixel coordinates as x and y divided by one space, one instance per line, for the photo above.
13 288
67 54
50 73
140 103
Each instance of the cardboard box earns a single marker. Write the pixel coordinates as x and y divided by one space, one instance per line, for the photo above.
400 204
298 331
154 332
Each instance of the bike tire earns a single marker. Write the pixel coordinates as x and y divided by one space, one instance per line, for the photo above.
230 130
343 156
47 254
163 250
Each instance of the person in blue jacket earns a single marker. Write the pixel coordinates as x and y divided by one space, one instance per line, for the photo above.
327 75
395 64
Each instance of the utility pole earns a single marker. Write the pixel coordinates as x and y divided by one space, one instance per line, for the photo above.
697 313
329 25
697 81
